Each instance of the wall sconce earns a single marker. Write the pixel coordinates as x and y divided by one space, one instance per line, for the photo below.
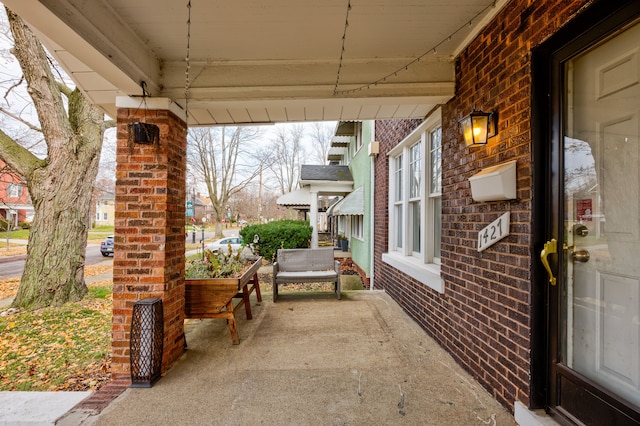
144 133
479 126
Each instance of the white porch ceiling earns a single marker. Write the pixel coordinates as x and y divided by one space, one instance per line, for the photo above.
263 62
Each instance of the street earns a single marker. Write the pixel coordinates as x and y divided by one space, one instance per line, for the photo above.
13 266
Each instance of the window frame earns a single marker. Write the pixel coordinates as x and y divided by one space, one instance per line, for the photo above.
357 227
358 142
422 265
14 190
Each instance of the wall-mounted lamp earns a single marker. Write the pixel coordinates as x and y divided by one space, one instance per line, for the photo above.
479 126
144 133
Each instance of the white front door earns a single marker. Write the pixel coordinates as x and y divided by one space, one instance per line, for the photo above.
600 293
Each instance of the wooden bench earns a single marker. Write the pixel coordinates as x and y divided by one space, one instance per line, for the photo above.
305 266
213 297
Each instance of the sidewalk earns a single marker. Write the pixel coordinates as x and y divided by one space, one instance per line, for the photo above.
308 360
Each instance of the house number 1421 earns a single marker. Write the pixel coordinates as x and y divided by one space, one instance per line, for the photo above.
493 232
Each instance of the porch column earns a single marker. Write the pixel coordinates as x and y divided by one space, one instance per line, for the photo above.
149 234
313 218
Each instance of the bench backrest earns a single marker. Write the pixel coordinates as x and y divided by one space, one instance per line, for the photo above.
297 260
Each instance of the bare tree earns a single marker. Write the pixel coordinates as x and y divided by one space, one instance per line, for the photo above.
286 154
60 183
223 158
321 134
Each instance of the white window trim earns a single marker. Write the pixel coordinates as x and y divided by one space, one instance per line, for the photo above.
425 273
404 259
358 143
355 234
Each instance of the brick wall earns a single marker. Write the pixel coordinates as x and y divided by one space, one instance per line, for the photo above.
149 232
484 316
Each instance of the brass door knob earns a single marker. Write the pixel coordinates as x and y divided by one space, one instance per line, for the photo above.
580 256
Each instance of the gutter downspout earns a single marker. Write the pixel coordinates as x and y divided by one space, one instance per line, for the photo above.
372 220
374 149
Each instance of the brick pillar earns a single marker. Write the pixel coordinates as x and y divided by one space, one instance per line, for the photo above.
149 230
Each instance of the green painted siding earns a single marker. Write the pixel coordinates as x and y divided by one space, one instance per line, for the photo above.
361 171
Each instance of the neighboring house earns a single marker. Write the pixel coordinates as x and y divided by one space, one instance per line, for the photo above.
353 219
204 208
105 209
318 183
300 201
15 202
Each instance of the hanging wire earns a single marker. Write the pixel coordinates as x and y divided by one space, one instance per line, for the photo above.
187 83
405 67
344 39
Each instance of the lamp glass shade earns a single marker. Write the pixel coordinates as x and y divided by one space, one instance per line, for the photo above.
476 128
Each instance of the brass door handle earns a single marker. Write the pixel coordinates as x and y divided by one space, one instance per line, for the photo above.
550 247
577 255
580 255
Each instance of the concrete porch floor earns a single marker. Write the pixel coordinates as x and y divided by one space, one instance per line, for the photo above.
309 359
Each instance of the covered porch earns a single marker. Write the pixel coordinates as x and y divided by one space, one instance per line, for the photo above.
309 359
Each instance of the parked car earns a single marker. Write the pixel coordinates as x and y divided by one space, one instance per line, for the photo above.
222 244
106 246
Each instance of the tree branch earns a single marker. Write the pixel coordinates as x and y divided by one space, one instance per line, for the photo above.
20 119
13 86
17 157
41 84
64 89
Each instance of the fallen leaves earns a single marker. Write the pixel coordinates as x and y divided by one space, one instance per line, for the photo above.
55 349
9 287
13 250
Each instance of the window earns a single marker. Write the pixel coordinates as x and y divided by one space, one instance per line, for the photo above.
415 222
358 137
435 194
14 190
357 226
105 216
398 204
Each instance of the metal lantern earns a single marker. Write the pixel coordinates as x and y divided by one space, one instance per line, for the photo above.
477 127
146 342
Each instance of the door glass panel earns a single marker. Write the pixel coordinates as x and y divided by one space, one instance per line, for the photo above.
601 289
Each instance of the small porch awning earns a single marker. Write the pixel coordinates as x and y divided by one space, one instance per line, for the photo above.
300 198
340 141
336 154
351 205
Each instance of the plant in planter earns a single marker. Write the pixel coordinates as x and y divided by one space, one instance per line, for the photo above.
343 243
211 284
218 265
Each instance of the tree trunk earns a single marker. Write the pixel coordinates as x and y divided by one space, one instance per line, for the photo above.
60 185
61 196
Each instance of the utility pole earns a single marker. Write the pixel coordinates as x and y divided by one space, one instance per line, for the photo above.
193 223
260 196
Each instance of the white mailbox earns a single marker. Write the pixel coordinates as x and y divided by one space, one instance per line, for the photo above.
495 183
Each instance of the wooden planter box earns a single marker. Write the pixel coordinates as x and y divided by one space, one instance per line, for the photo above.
213 297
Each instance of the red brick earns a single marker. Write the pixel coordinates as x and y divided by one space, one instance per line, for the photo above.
145 219
487 295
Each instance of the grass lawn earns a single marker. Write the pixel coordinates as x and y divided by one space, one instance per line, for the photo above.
58 349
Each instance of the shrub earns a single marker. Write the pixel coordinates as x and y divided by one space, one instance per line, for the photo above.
276 235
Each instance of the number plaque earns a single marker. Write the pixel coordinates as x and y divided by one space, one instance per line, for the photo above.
493 232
